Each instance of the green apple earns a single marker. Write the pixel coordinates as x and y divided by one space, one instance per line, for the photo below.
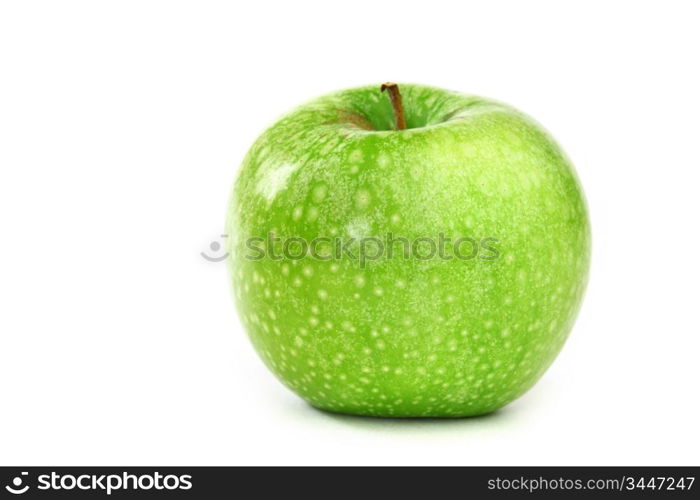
490 238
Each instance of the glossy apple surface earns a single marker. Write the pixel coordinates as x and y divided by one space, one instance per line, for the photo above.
408 337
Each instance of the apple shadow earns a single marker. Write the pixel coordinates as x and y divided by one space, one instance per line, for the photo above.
411 425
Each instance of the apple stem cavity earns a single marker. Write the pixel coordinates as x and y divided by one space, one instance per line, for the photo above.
396 103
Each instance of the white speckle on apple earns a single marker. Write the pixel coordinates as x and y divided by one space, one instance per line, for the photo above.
312 214
362 198
355 156
319 193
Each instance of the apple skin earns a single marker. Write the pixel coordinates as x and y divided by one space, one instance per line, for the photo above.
409 337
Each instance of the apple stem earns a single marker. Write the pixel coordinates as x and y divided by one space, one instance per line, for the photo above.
396 103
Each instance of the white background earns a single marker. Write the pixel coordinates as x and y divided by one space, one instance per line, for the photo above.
122 125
